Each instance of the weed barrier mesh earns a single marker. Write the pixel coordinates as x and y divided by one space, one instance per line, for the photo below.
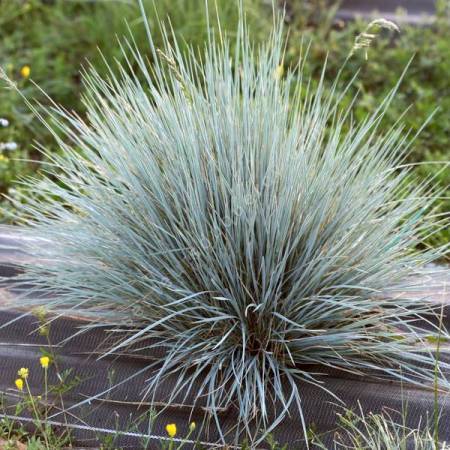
115 411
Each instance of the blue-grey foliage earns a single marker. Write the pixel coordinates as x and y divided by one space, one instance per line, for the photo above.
232 214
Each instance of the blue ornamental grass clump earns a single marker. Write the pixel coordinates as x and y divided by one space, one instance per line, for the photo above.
231 214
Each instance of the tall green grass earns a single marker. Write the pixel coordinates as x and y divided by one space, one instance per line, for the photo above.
56 39
239 217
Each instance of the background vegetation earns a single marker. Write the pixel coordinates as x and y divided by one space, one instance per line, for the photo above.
54 38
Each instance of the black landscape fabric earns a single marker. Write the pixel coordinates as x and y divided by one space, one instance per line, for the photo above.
116 410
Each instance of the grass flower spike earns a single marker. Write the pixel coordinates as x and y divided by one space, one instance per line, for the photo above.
279 72
241 221
365 39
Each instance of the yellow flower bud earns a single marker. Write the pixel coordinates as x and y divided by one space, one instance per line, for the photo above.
43 330
23 372
171 429
25 71
192 426
44 360
19 384
40 313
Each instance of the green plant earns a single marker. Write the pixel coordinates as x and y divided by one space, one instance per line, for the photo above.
425 90
241 219
359 431
39 406
53 40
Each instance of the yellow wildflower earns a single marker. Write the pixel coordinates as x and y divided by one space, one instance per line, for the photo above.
25 71
19 384
23 373
171 429
192 426
44 360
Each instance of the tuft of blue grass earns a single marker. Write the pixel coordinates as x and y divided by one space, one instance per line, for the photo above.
223 211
